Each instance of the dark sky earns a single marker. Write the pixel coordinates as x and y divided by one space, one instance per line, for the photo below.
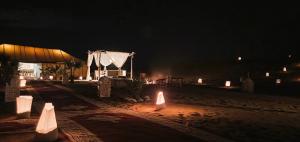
160 32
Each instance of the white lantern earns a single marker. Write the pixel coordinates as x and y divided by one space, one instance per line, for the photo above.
80 78
227 84
200 81
284 69
290 56
41 78
160 101
24 106
89 78
22 83
21 77
239 58
46 129
267 74
123 72
51 77
278 81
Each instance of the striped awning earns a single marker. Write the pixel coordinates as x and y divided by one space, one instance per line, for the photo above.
30 54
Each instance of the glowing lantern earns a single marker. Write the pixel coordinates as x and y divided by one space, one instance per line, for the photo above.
239 58
227 83
51 77
290 56
46 129
267 74
22 83
21 77
41 78
278 81
160 101
80 78
89 78
24 106
200 81
284 69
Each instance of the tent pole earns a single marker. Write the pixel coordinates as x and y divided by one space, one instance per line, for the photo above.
131 68
99 68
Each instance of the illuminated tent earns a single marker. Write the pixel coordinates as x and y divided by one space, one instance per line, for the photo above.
106 58
30 58
30 54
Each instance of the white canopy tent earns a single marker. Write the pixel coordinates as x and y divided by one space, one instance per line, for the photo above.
106 58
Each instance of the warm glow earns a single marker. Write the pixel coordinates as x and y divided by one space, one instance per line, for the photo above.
284 69
227 83
267 74
41 78
239 58
89 78
51 77
200 81
160 98
21 77
290 56
80 78
22 83
47 121
278 81
24 104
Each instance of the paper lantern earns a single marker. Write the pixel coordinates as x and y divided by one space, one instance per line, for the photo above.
24 106
46 129
200 81
22 83
21 77
267 74
80 78
239 58
51 77
284 69
278 81
227 83
160 101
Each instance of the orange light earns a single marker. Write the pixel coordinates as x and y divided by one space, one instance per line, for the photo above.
160 102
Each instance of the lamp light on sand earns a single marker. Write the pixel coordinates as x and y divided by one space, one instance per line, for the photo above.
278 81
24 106
160 101
227 84
200 81
284 69
46 129
22 83
267 74
51 77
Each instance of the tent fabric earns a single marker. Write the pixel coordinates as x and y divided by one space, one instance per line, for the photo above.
118 58
89 63
30 54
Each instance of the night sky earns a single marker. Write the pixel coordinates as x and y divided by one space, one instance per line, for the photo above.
162 33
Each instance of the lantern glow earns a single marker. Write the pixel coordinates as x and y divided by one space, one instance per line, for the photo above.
267 74
22 83
41 78
278 81
160 101
200 81
239 58
51 77
21 77
80 78
24 106
47 121
284 69
227 83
